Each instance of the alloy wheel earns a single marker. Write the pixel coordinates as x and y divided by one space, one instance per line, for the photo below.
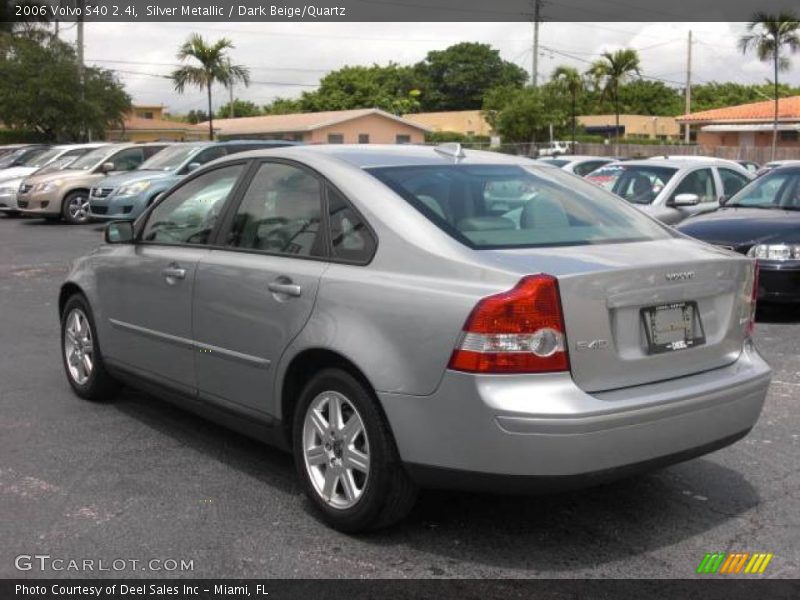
78 208
78 347
336 450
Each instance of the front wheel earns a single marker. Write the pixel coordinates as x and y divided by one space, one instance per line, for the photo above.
80 352
346 457
75 209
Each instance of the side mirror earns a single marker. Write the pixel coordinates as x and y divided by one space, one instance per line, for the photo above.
107 167
119 232
723 200
686 200
192 166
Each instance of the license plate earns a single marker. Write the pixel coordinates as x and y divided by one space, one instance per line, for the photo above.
671 327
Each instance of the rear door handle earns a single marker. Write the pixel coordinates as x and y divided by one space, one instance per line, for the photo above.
288 289
173 272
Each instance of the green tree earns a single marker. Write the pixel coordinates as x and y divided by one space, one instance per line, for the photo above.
43 97
720 94
643 97
241 108
196 116
214 67
458 77
570 81
283 106
611 71
391 88
768 35
528 114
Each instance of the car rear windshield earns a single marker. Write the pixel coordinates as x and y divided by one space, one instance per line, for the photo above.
170 159
515 206
638 184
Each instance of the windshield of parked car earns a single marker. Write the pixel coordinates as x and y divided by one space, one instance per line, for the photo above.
21 156
515 206
638 184
556 162
91 159
40 160
777 189
170 159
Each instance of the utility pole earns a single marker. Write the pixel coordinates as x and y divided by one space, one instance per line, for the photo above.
688 107
79 40
537 6
230 90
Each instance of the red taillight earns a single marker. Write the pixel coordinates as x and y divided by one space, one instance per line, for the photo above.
751 323
518 331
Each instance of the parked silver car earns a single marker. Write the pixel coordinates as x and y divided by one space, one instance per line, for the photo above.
577 164
673 189
380 312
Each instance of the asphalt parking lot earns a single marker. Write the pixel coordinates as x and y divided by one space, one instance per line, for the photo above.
137 479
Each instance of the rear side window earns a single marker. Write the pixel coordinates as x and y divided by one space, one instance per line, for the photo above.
638 184
351 240
499 206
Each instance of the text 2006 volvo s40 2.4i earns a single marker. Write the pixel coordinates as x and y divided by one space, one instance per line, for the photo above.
404 317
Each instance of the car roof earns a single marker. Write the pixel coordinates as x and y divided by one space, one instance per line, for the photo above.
395 155
676 163
576 157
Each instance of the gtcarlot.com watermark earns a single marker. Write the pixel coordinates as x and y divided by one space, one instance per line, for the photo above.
48 563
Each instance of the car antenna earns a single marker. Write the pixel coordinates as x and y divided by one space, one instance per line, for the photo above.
453 149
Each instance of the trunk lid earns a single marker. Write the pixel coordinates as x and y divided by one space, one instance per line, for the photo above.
604 289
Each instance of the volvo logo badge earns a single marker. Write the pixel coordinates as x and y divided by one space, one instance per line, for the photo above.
680 276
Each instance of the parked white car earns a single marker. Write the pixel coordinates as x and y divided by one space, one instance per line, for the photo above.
51 155
556 148
672 190
579 165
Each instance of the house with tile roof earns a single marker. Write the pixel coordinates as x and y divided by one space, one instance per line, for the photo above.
747 125
146 123
361 126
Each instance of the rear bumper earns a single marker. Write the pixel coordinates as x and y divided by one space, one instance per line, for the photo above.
778 282
544 426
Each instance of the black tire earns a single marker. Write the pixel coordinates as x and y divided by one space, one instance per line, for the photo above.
389 493
100 385
68 215
11 214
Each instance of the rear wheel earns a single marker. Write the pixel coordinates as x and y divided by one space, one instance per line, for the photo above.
81 356
346 457
75 208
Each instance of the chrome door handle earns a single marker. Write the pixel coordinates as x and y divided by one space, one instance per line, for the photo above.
288 289
174 273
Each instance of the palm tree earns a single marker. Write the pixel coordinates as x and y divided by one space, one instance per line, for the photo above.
613 69
570 80
768 35
215 67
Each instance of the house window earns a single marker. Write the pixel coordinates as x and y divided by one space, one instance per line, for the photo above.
789 136
363 138
146 115
402 139
336 138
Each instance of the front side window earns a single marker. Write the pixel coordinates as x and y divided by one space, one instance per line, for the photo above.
500 206
281 213
127 160
779 190
638 184
700 183
188 215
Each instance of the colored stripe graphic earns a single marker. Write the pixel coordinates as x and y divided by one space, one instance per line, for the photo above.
733 563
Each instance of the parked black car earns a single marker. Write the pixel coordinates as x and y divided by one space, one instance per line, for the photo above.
761 221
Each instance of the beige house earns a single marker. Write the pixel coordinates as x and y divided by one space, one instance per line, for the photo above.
146 123
361 126
632 127
467 122
747 125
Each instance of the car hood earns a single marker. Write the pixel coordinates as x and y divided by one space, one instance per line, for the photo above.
115 181
744 226
11 183
15 172
66 174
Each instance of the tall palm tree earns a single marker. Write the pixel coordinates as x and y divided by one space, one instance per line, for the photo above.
768 35
570 80
612 70
214 67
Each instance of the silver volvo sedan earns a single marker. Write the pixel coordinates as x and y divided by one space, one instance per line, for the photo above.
403 317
